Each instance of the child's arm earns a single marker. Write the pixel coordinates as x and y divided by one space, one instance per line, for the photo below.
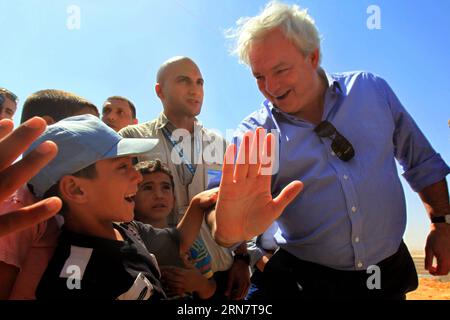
189 226
177 281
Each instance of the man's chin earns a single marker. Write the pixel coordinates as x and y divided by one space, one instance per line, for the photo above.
129 218
281 107
286 107
196 111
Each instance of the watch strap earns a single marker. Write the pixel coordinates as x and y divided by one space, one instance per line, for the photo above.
441 219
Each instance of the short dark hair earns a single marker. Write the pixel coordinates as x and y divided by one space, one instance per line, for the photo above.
130 104
153 166
57 104
8 94
89 172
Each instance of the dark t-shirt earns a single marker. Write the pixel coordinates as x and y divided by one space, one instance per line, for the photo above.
163 243
86 267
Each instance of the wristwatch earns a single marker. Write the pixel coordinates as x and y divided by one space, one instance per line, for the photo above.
242 256
441 219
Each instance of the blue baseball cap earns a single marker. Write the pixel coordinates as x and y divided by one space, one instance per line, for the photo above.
82 141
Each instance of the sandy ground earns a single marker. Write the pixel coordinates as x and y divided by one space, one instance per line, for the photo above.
431 289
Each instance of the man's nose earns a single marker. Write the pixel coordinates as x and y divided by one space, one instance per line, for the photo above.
110 116
195 90
272 86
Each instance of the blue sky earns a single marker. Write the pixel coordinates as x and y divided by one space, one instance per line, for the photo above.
120 44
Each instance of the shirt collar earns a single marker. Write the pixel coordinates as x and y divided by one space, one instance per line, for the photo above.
162 122
333 84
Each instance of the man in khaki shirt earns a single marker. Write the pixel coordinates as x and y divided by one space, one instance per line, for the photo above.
193 153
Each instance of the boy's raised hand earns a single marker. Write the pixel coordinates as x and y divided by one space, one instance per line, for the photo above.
245 207
12 175
206 199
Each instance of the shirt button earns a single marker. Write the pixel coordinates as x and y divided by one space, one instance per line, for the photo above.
345 177
353 209
360 264
333 154
357 239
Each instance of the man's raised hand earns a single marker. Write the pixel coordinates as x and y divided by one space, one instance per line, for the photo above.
245 207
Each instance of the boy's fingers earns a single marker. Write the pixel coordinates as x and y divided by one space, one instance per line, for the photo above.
16 142
20 172
29 216
187 263
209 198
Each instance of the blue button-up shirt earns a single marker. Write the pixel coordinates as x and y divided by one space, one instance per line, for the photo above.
352 214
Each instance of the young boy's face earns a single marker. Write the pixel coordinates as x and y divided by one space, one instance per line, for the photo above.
155 198
111 192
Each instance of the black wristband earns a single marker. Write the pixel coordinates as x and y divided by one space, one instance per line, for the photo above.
441 219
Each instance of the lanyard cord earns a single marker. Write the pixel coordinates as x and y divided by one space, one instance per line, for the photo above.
180 151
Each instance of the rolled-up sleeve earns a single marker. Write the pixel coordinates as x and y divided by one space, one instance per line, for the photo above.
421 164
427 173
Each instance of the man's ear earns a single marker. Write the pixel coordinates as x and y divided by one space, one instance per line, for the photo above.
71 189
135 121
315 57
158 90
49 120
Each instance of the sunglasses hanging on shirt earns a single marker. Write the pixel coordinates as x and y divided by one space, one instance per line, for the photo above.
339 144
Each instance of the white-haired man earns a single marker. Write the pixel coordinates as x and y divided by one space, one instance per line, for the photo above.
339 134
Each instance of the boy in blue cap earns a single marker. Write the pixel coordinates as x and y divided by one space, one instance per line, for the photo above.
93 174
